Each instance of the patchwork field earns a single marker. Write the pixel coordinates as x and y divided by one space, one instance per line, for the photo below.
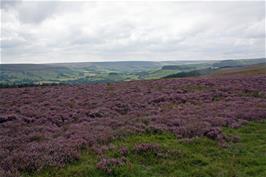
21 75
53 126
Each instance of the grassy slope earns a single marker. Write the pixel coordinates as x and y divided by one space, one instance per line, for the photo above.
99 71
199 157
25 73
159 74
248 70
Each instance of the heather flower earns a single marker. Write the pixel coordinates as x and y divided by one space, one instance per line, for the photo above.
39 124
123 150
214 133
108 164
146 147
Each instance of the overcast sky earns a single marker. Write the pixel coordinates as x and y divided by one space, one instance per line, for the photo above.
47 32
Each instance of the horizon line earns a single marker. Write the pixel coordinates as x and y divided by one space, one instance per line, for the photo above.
155 61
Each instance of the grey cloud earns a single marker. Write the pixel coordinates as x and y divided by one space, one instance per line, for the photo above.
12 43
36 12
81 31
31 12
5 4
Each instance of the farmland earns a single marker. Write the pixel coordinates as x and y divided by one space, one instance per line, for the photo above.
12 75
53 126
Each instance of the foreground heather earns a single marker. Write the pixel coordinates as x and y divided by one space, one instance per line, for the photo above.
162 154
48 126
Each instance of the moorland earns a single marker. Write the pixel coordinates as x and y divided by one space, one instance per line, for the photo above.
211 124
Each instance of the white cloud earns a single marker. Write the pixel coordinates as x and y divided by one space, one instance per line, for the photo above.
42 32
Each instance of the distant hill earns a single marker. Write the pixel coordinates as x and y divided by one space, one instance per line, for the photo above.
31 73
170 67
245 70
98 72
33 68
193 73
121 66
238 63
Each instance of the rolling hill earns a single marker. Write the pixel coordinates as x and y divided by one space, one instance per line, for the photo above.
99 72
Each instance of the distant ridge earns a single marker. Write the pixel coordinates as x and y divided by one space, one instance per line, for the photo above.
105 72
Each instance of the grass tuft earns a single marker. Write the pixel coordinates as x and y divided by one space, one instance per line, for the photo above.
164 155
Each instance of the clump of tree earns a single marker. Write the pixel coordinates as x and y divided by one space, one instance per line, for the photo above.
184 74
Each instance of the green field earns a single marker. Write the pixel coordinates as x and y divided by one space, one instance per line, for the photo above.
197 157
98 72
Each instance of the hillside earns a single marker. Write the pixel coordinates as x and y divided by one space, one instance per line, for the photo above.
34 73
244 70
121 66
12 75
259 69
54 125
238 63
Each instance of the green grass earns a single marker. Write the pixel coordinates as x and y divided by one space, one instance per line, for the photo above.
197 157
159 74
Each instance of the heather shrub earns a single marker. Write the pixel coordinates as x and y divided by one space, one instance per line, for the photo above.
37 137
108 164
101 149
48 126
123 151
6 118
146 147
9 173
214 133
